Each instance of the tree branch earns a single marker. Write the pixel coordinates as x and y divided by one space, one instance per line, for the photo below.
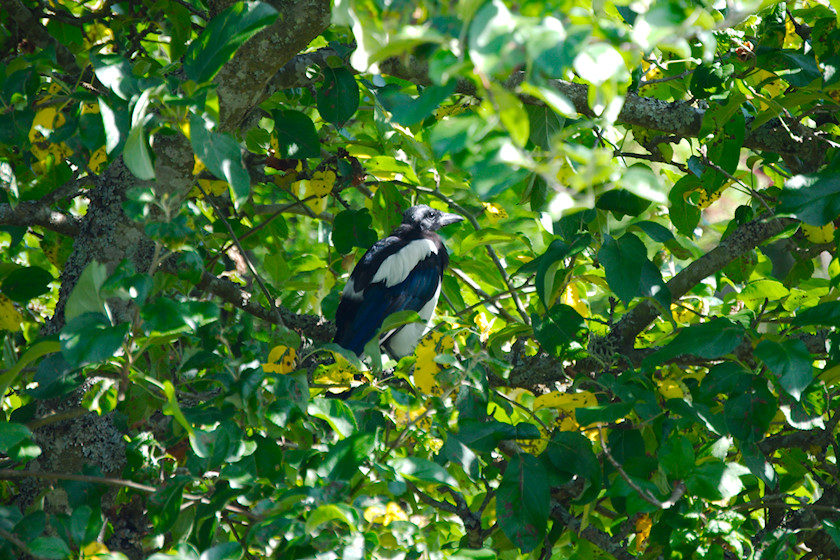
790 139
242 81
31 213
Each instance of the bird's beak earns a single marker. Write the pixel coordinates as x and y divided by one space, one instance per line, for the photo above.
446 218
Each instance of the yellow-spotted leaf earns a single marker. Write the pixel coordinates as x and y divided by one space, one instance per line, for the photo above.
281 359
425 368
670 388
819 234
643 527
565 401
494 212
10 318
98 159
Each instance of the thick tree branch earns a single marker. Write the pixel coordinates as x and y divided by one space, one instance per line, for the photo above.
28 214
314 327
793 140
242 81
542 369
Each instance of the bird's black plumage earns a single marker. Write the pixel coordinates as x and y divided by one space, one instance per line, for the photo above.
400 272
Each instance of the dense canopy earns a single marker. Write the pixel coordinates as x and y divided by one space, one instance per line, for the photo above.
635 352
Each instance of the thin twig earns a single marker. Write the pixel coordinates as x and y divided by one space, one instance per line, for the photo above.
6 474
235 239
679 488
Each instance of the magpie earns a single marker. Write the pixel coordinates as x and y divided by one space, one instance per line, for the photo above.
402 271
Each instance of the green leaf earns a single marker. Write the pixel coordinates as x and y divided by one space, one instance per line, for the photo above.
12 434
748 414
797 69
352 228
677 456
338 96
296 135
758 464
422 470
547 266
709 340
604 414
488 236
523 501
222 156
814 199
49 547
825 314
336 413
165 317
90 338
622 203
623 261
684 216
137 155
570 454
55 377
85 525
344 458
408 110
490 40
543 124
223 36
326 514
484 436
165 504
26 283
791 361
716 480
710 78
85 297
559 328
224 551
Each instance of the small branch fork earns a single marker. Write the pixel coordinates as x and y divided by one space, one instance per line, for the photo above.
646 495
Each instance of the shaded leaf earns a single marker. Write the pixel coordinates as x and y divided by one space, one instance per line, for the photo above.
523 501
223 36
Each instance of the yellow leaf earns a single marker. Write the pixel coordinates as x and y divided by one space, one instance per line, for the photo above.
90 108
425 367
94 549
565 401
49 118
10 319
571 297
374 514
819 234
391 512
494 212
670 388
98 159
643 527
281 359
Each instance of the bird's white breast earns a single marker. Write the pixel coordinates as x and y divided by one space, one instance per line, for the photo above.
398 266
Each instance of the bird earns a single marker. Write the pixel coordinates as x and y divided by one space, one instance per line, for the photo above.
402 271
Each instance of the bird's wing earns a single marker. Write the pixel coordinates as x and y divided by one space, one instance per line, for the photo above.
362 313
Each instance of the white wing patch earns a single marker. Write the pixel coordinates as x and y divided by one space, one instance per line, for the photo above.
402 342
350 291
398 266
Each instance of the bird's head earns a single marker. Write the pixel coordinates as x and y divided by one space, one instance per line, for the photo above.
428 218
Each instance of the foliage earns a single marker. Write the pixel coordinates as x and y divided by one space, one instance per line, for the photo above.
635 354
